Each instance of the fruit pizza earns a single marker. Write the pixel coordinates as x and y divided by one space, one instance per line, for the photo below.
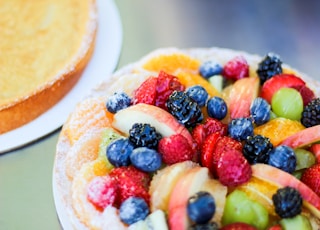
202 138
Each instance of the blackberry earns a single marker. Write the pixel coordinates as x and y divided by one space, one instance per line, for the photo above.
144 135
184 109
287 202
311 113
284 158
268 67
256 149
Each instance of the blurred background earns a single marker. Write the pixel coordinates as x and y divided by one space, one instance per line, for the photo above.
289 28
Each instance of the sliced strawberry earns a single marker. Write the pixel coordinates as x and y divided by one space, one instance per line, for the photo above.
223 144
212 125
175 148
206 156
311 177
306 93
233 168
315 149
199 135
165 85
280 81
131 182
236 68
146 93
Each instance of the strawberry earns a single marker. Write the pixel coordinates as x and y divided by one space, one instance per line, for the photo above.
223 144
206 156
275 227
175 148
306 93
102 191
146 92
279 81
315 149
233 168
238 226
236 68
131 182
165 85
311 177
211 125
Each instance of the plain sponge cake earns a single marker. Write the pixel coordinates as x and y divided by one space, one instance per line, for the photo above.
45 46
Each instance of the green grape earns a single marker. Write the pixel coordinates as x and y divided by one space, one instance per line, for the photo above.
108 136
305 159
239 208
287 103
298 222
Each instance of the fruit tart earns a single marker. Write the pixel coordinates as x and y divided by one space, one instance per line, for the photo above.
201 138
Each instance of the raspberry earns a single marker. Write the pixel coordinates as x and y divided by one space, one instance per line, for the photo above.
131 182
165 85
146 92
233 169
224 143
175 148
102 191
236 68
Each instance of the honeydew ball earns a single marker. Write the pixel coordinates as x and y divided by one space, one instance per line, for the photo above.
287 103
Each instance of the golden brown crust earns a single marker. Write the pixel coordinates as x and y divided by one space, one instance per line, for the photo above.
25 108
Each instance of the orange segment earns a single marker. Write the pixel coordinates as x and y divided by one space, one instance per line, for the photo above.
279 129
260 191
189 79
89 114
172 64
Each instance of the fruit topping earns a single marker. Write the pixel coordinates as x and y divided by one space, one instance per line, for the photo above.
210 68
256 149
118 101
198 94
175 148
240 128
145 159
305 159
236 68
208 151
306 93
184 109
238 226
146 92
311 177
119 151
201 207
287 103
102 191
206 226
311 113
133 209
287 202
260 111
217 108
144 135
239 208
233 169
296 222
284 158
268 67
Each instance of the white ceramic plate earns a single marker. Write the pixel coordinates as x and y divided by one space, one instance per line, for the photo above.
102 64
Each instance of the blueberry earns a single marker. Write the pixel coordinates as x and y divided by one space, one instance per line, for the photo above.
201 207
133 209
260 111
284 158
198 94
145 159
240 128
210 68
119 151
118 101
217 108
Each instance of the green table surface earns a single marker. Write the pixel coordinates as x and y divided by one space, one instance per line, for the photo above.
289 28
